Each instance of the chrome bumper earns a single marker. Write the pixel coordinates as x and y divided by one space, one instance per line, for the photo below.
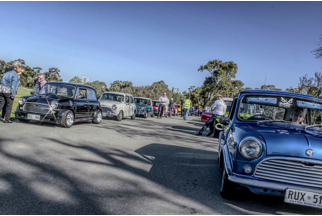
269 185
108 114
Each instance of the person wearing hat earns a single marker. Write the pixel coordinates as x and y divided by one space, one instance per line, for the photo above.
219 110
9 87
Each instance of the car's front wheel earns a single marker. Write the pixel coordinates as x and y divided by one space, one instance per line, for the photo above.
133 116
98 117
119 116
68 119
227 189
145 115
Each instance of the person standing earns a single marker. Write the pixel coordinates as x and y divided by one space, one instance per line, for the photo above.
182 109
163 101
187 105
39 83
219 110
166 109
9 87
171 106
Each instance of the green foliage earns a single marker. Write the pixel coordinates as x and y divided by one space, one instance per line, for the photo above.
122 86
270 87
309 85
100 87
76 79
53 75
318 52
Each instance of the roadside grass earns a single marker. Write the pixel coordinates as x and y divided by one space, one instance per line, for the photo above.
21 92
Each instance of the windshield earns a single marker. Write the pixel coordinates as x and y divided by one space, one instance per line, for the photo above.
276 108
140 101
112 97
58 89
156 103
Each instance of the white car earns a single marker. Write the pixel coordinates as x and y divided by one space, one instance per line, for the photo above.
118 105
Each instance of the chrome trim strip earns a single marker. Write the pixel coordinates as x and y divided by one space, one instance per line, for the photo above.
270 185
290 159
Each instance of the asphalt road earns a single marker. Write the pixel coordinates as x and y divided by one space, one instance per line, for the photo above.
141 166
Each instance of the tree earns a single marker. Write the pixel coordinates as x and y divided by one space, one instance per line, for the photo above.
53 75
76 79
270 87
309 85
318 52
220 79
121 86
100 87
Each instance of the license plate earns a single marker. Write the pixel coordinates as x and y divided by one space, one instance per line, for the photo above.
33 117
301 197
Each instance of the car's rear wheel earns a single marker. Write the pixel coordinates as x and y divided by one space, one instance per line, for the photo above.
98 117
145 115
119 116
68 119
227 189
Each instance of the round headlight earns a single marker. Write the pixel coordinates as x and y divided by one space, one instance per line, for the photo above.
114 107
54 104
21 101
250 148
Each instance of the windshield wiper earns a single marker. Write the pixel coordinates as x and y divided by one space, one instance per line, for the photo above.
316 125
268 121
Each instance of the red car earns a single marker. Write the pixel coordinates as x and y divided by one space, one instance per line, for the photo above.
174 110
155 105
206 114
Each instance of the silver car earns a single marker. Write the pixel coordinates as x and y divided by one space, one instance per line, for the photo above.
118 105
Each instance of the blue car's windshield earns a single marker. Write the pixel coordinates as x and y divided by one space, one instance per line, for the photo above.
288 110
140 101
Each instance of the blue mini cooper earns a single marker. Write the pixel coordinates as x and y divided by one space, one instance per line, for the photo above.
277 151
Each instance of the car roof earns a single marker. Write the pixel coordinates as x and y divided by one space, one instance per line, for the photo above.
227 99
282 93
143 98
73 84
118 93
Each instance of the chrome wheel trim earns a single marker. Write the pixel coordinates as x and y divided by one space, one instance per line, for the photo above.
70 119
99 116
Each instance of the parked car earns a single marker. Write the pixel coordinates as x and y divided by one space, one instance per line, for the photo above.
144 106
178 106
156 105
61 103
118 105
278 152
207 113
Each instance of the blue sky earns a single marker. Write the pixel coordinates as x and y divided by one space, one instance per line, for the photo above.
144 42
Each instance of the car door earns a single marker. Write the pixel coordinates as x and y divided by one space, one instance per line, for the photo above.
92 102
127 106
132 105
150 108
81 107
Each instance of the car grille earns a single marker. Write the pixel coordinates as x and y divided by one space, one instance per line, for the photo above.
290 171
105 109
36 108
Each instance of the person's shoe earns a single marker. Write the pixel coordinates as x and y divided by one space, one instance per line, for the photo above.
198 134
210 132
9 121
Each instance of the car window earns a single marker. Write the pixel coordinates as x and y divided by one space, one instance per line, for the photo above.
82 92
127 99
91 94
131 99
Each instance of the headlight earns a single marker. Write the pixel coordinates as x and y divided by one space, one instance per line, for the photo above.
114 107
21 101
54 104
250 148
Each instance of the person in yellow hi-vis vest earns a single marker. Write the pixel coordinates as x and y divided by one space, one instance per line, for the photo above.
186 106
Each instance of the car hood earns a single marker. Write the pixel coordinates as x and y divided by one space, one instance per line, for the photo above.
44 98
138 106
288 140
109 103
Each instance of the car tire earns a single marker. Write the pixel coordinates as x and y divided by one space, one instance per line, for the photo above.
152 115
23 120
98 118
227 189
145 115
133 116
68 119
119 116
